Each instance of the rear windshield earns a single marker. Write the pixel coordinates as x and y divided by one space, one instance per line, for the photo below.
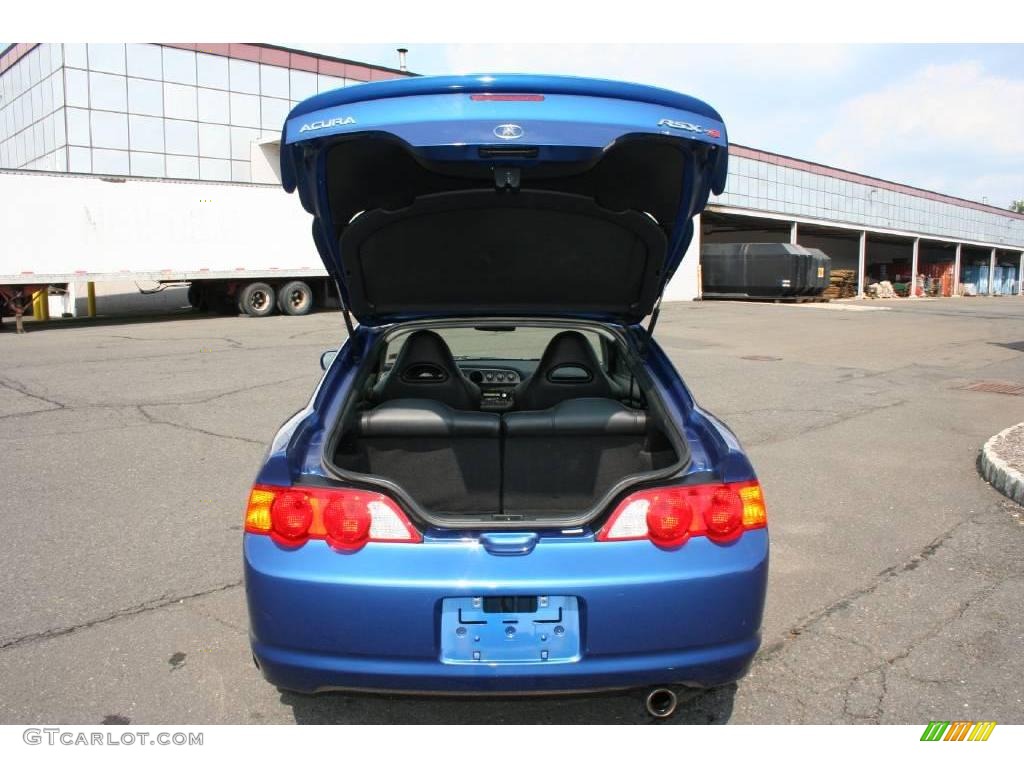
519 343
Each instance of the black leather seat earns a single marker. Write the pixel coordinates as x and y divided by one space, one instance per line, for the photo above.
414 418
585 416
567 369
426 369
448 460
565 458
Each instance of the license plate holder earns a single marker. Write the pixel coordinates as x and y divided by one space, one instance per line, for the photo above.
515 629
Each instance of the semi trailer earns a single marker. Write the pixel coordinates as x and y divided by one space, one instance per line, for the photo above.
238 247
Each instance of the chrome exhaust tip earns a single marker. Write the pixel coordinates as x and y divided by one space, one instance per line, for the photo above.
661 702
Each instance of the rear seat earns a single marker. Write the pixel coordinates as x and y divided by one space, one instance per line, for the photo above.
448 460
555 461
567 456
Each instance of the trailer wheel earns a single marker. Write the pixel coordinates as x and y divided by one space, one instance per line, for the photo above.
256 300
295 298
197 297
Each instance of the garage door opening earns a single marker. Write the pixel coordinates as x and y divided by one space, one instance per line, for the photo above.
974 271
888 260
1006 277
936 264
843 248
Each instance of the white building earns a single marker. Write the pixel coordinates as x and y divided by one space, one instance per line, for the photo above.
214 112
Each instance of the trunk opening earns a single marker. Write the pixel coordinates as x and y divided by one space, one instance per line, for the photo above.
543 440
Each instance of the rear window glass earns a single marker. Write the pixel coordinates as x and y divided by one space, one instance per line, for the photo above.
520 343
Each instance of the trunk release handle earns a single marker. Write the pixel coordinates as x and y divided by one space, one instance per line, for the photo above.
509 543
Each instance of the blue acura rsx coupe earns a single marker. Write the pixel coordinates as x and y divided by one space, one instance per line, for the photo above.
501 484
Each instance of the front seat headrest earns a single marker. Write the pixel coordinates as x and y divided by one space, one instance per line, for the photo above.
568 368
426 369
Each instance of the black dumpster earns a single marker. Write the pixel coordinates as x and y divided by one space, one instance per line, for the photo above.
821 272
762 271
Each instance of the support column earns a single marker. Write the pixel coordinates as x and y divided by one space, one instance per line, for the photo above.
862 263
992 273
1020 276
698 245
956 269
41 305
914 254
90 298
685 283
794 231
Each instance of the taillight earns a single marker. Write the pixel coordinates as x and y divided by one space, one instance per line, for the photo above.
291 515
346 517
670 516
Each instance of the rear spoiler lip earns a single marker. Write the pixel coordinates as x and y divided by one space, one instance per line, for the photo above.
505 83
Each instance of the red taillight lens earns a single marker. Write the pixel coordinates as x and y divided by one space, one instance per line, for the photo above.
347 518
670 516
291 514
347 522
723 516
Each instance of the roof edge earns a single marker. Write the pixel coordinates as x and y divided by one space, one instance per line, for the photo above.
788 161
338 59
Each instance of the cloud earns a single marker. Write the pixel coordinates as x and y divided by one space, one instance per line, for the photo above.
956 127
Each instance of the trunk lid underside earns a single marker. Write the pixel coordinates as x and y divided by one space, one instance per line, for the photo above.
502 195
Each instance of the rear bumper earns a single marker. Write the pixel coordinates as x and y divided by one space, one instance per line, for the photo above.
321 620
311 673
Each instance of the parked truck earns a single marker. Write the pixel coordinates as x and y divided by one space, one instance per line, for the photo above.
238 247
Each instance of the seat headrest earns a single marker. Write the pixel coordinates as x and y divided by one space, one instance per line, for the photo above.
425 368
423 351
567 369
569 349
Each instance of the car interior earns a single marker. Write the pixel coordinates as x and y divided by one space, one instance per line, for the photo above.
525 423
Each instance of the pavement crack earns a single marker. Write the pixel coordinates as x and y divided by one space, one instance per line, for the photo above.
16 386
167 422
218 619
842 419
879 579
210 398
942 626
28 413
145 607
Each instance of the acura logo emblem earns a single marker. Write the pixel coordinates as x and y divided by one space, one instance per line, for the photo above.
508 131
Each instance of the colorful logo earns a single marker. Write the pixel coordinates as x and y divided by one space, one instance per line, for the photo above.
958 730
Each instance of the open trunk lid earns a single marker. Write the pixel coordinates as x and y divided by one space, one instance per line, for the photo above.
504 194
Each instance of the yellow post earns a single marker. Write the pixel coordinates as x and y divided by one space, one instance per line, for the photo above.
40 310
90 288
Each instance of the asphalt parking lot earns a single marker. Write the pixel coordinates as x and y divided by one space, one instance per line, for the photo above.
897 576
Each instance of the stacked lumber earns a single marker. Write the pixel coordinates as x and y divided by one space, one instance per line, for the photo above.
843 284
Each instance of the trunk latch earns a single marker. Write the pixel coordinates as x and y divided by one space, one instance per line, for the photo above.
509 543
506 178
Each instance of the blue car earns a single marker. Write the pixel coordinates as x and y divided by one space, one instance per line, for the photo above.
501 483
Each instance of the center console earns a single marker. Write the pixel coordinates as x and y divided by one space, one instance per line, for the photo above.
496 387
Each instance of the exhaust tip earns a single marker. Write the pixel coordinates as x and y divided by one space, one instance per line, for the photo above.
661 702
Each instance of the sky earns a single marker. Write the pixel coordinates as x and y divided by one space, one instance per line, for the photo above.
949 118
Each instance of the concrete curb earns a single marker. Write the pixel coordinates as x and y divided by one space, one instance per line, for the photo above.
1004 478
